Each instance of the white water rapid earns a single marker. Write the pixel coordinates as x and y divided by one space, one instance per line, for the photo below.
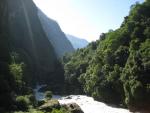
39 95
87 104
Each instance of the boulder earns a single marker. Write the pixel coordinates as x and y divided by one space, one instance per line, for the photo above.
73 108
49 105
68 97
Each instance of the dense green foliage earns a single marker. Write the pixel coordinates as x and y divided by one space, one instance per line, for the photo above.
61 110
22 103
115 69
26 55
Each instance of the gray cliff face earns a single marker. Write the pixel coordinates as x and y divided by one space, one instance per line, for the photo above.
27 37
77 42
55 35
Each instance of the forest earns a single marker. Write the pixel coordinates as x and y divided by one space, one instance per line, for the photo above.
116 68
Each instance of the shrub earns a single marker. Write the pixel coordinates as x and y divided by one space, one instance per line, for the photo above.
22 103
32 99
62 110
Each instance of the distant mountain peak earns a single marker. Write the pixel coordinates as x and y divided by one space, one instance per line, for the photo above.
77 42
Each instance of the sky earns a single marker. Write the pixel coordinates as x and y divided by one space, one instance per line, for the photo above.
86 19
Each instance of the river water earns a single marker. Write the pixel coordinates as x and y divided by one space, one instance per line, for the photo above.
87 104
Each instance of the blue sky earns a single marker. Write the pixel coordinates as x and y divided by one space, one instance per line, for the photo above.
86 18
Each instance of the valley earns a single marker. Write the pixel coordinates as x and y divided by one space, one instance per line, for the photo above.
44 70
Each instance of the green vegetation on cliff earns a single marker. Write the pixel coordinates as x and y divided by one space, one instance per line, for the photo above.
26 55
115 69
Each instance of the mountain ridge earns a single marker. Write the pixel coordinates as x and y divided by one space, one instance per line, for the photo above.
77 42
55 35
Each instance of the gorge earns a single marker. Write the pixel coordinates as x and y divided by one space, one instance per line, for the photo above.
113 70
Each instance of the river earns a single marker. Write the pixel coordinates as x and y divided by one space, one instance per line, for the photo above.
87 104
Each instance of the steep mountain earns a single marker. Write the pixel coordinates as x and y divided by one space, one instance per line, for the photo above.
77 42
28 37
55 35
116 68
26 55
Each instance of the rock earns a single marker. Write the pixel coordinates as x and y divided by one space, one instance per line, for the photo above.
40 102
73 108
139 109
68 97
49 105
